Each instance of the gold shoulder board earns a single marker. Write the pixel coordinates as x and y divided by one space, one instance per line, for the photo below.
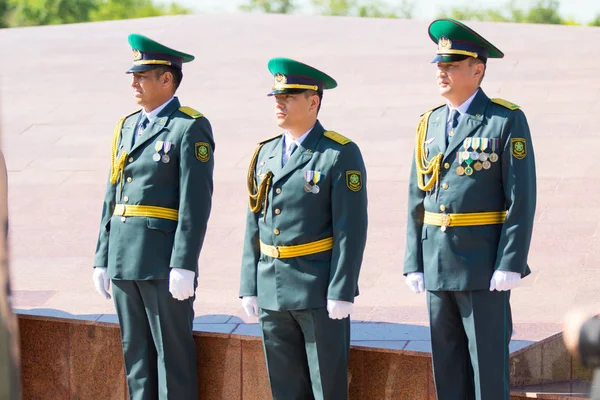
336 137
269 139
433 109
505 103
191 112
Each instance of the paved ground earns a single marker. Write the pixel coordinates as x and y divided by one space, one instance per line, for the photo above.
63 88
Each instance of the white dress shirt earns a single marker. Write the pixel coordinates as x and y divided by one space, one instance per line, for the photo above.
461 110
288 141
152 114
151 117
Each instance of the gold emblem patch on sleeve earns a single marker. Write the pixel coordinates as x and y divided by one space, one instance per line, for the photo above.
519 148
202 150
354 180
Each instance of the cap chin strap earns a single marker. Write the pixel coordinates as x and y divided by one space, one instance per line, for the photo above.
460 52
294 86
151 62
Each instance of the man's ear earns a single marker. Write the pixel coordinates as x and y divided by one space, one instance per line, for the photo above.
166 79
479 70
314 102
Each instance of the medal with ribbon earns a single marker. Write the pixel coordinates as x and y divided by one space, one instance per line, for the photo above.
475 143
460 170
157 147
466 154
166 147
316 178
494 156
308 176
475 155
483 156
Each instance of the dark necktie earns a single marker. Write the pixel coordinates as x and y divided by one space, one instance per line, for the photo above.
141 128
143 125
293 148
455 114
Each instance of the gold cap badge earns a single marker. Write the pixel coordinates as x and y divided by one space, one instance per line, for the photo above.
280 79
444 43
137 55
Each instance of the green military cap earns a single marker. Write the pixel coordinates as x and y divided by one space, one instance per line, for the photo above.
295 77
148 54
456 41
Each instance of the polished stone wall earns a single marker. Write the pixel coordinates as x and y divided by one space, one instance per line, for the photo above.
74 359
77 359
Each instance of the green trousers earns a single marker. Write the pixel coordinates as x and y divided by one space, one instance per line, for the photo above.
307 354
158 347
470 333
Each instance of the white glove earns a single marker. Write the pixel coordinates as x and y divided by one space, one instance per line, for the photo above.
101 281
339 309
504 280
414 280
250 305
181 283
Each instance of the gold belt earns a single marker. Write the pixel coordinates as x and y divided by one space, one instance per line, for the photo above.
469 219
298 250
126 210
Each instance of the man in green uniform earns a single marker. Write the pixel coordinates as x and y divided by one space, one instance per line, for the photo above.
305 235
154 218
471 205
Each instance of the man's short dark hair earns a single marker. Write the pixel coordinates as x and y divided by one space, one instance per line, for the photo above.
309 93
175 72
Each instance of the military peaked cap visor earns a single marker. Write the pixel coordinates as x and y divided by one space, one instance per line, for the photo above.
456 42
293 77
149 54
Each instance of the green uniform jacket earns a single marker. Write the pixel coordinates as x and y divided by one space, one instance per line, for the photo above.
299 217
464 258
144 248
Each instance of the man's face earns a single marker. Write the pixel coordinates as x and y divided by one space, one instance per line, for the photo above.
292 110
148 88
457 77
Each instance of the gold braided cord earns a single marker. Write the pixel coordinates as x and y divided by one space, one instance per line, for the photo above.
298 250
117 166
425 166
465 219
138 210
257 196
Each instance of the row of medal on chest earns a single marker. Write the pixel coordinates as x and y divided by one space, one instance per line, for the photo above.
165 147
309 175
475 159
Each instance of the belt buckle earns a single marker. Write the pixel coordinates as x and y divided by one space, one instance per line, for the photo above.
120 209
445 222
275 252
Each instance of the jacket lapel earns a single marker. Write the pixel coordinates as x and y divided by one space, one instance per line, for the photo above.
469 122
303 153
127 132
158 124
273 164
436 133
